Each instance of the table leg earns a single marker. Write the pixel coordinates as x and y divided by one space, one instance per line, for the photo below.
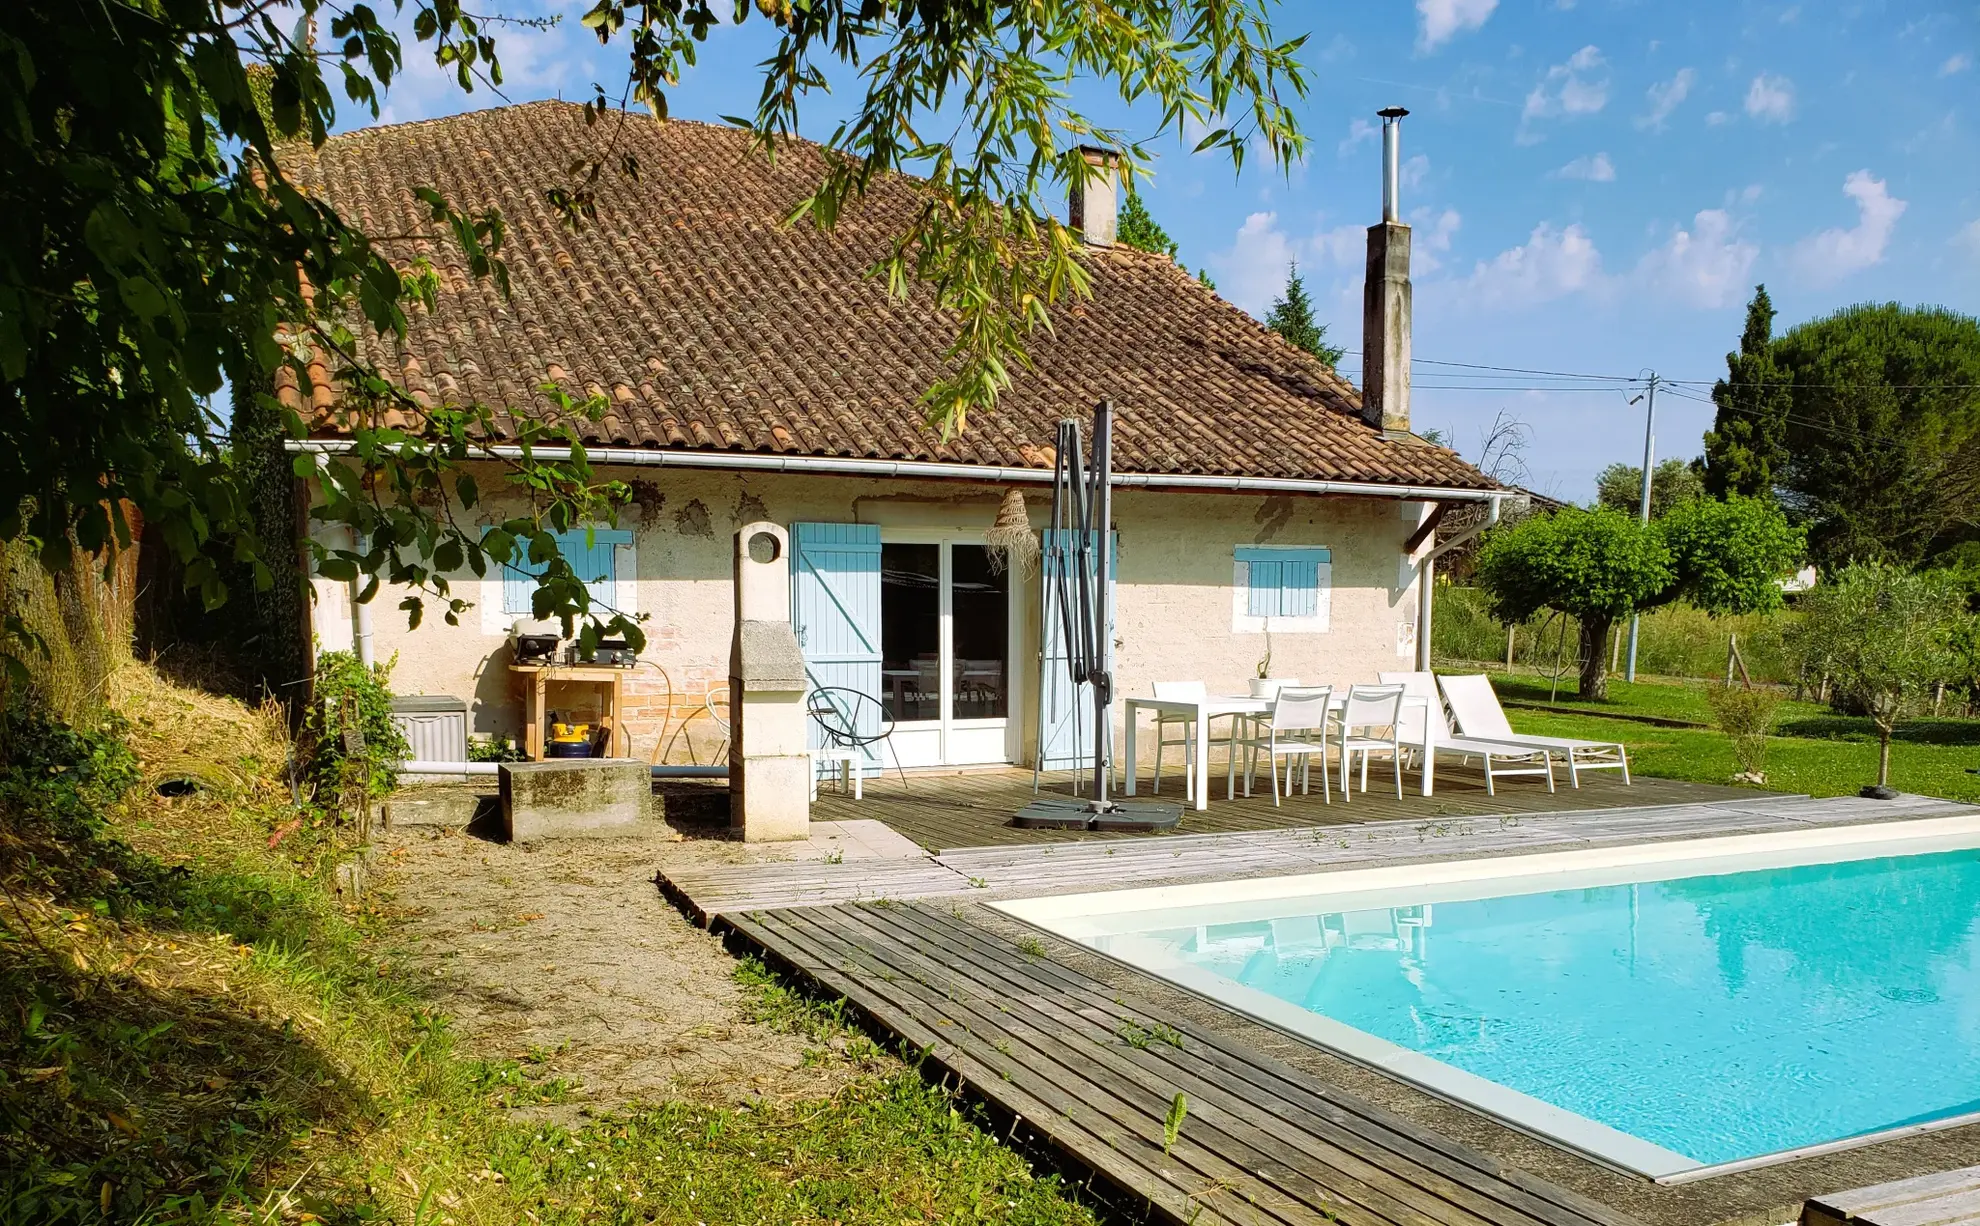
533 717
1127 788
1201 752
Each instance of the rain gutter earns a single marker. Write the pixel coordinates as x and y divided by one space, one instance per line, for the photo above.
928 469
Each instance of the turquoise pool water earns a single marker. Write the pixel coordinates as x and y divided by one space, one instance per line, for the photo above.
1719 1017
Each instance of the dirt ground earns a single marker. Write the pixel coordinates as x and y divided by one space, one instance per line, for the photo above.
565 955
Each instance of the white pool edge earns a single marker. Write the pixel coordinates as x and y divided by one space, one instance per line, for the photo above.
1071 916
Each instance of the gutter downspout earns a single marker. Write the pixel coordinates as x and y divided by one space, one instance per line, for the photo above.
1426 580
989 473
360 625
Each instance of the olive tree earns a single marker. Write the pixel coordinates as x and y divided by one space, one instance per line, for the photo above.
1884 638
1600 566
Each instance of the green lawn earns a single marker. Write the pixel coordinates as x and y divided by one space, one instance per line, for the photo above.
1815 751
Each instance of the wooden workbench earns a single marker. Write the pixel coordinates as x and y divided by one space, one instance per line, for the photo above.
536 678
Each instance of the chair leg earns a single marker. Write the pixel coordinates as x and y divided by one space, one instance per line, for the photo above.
1272 768
1574 774
1624 755
1161 745
1398 761
1488 775
1326 783
1364 772
1550 768
1189 759
1230 764
858 770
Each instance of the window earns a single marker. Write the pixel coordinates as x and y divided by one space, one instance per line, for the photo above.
594 561
1283 581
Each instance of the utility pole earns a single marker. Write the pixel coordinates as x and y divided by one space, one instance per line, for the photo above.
1649 397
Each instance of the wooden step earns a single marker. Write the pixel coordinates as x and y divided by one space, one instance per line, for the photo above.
1948 1198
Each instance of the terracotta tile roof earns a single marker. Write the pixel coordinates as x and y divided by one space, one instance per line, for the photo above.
709 324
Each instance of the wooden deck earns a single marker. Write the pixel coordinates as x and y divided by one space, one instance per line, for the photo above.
974 808
1083 1069
713 892
1948 1198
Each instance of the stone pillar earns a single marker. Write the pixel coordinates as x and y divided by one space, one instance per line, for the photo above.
1385 323
769 766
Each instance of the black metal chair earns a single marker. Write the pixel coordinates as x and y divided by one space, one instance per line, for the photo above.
841 714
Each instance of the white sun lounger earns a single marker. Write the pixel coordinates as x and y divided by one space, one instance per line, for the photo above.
1500 757
1476 708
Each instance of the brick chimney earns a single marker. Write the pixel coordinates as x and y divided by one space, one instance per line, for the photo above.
1385 297
1093 203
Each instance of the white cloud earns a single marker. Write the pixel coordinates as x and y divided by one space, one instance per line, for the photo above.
1431 238
1969 238
1666 97
1359 131
1770 99
1705 266
1956 64
1414 171
1252 271
1596 169
1443 20
1579 86
1715 119
1550 264
1837 252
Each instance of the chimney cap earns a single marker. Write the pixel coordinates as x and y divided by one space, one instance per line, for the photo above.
1100 155
1393 112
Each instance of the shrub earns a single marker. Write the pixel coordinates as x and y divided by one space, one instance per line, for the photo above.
345 686
1745 714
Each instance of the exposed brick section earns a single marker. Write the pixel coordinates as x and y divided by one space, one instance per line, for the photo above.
708 324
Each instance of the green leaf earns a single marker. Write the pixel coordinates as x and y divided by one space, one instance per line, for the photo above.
1173 1122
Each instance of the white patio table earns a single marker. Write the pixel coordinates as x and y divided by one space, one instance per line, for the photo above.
1202 710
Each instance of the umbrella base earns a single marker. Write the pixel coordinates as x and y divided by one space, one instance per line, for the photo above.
1060 814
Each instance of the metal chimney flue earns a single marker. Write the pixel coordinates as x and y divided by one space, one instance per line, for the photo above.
1392 118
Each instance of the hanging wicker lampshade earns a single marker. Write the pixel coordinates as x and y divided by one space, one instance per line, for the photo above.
1009 539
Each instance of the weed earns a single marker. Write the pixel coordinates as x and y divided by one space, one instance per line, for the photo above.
978 883
1031 946
836 856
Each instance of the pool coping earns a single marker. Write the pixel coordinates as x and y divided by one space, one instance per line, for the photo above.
1061 916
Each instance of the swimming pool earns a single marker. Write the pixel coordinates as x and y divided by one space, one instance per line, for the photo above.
1677 1010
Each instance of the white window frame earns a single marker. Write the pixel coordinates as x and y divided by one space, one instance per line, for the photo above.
1242 619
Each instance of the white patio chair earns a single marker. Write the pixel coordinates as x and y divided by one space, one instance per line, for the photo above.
1371 708
1181 691
1523 759
1295 728
1475 707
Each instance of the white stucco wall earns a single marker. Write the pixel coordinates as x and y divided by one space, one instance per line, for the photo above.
1175 598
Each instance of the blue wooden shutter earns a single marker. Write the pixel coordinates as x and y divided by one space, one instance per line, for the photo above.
1282 581
1262 582
835 609
1065 716
593 561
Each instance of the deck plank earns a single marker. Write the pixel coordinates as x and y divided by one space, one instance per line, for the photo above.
1944 1198
1262 1142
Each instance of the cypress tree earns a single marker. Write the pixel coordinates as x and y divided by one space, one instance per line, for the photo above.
1746 447
1292 317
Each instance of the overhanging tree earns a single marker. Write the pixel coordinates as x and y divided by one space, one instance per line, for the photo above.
1600 566
151 244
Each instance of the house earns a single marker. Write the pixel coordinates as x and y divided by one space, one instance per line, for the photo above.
1263 511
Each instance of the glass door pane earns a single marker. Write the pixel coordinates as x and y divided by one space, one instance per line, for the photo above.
911 631
981 608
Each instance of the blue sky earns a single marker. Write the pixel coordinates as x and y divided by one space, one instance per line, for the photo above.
1595 185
